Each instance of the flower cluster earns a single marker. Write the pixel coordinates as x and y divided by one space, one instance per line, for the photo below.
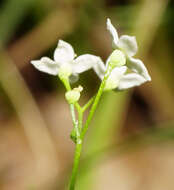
125 47
125 70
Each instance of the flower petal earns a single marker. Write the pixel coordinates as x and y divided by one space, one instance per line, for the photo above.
107 60
86 62
118 72
64 52
114 78
128 44
137 66
46 65
130 80
113 32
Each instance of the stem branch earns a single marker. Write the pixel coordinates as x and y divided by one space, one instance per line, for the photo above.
96 101
85 107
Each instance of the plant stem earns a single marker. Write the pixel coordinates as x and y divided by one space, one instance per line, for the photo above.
75 165
75 122
84 129
96 101
85 107
77 126
68 88
66 84
80 116
80 121
77 149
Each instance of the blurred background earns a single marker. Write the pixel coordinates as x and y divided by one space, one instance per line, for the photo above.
129 145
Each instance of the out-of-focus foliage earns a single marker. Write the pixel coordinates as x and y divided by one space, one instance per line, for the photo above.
36 151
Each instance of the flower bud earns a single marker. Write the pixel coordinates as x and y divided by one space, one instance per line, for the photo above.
117 59
65 71
73 96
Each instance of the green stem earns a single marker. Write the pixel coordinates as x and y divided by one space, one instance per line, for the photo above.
77 126
80 116
96 101
75 123
66 84
84 129
85 107
77 149
75 165
80 120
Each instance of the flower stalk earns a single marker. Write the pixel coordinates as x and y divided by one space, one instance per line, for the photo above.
95 103
85 128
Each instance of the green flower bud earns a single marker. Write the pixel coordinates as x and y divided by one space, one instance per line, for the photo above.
73 96
117 59
65 71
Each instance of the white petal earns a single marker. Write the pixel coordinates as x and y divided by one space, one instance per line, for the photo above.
137 66
130 80
86 62
113 32
107 61
118 72
128 44
46 65
114 78
64 53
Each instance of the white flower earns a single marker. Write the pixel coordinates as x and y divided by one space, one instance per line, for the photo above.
120 80
114 78
128 45
65 63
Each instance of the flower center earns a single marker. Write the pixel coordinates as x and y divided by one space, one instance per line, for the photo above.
65 71
117 59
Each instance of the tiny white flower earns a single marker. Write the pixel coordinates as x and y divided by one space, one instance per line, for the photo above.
118 78
66 65
114 78
128 45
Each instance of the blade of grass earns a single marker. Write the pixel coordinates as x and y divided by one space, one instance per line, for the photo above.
27 111
10 17
58 23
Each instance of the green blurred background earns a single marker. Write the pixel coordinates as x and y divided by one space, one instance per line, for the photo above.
130 141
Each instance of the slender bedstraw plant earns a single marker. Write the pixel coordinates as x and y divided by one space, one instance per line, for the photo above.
114 75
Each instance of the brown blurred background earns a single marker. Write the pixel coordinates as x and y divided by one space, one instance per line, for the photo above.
130 141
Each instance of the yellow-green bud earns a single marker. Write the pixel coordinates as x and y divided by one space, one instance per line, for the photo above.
117 59
73 96
65 71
